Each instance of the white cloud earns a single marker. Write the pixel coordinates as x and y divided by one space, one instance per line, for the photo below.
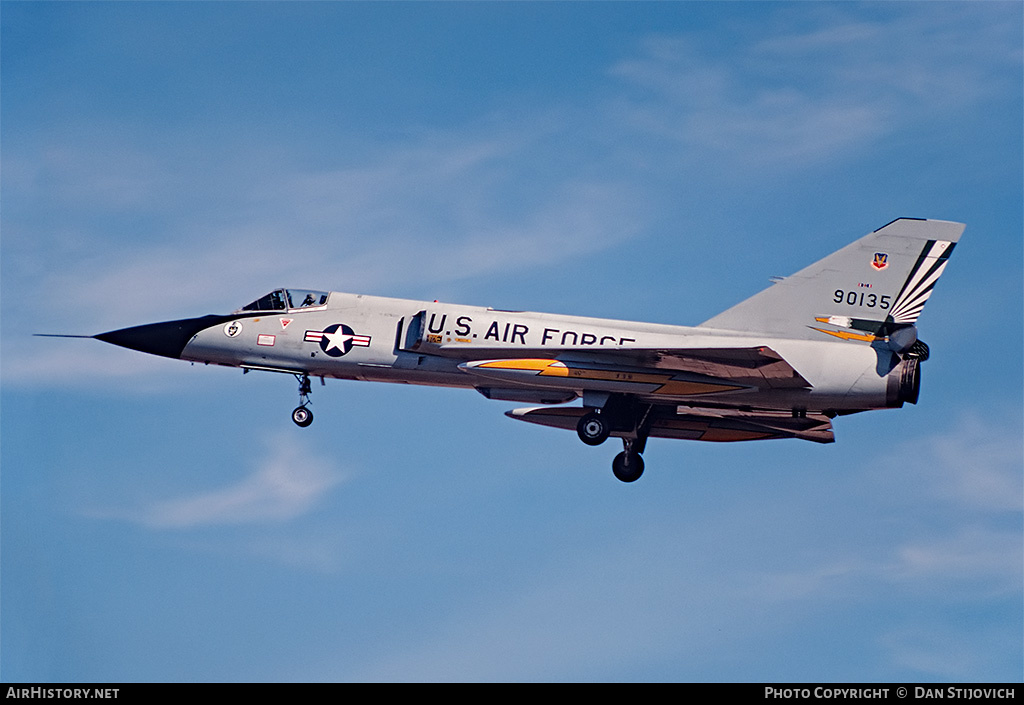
706 103
978 465
967 480
67 363
287 485
987 561
796 93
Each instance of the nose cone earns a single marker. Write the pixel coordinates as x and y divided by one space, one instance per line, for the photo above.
166 339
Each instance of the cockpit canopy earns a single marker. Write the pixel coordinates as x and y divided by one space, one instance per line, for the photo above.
284 299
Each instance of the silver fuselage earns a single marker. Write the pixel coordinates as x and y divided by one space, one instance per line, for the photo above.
416 342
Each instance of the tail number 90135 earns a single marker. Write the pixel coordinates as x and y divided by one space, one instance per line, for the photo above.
860 298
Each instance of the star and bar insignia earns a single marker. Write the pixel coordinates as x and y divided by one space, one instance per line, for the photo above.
336 339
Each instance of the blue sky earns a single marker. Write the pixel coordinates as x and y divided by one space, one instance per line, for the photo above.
164 522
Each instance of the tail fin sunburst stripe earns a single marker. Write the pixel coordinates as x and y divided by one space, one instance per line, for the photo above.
918 287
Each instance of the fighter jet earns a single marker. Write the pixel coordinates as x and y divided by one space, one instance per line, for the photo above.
838 337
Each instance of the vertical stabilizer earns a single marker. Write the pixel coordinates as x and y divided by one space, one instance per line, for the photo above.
867 290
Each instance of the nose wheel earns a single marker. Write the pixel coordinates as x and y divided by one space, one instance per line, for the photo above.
302 416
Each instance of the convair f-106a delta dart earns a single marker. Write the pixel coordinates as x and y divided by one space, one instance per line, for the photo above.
836 338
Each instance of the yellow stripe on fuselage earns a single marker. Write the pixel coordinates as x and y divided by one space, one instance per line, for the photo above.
846 335
556 368
549 367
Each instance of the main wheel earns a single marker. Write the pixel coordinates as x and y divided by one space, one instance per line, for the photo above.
628 466
592 429
302 416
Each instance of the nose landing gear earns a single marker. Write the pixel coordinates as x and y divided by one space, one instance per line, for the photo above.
302 416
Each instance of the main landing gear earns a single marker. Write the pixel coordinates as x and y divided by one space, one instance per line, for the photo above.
302 416
628 465
593 428
628 418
